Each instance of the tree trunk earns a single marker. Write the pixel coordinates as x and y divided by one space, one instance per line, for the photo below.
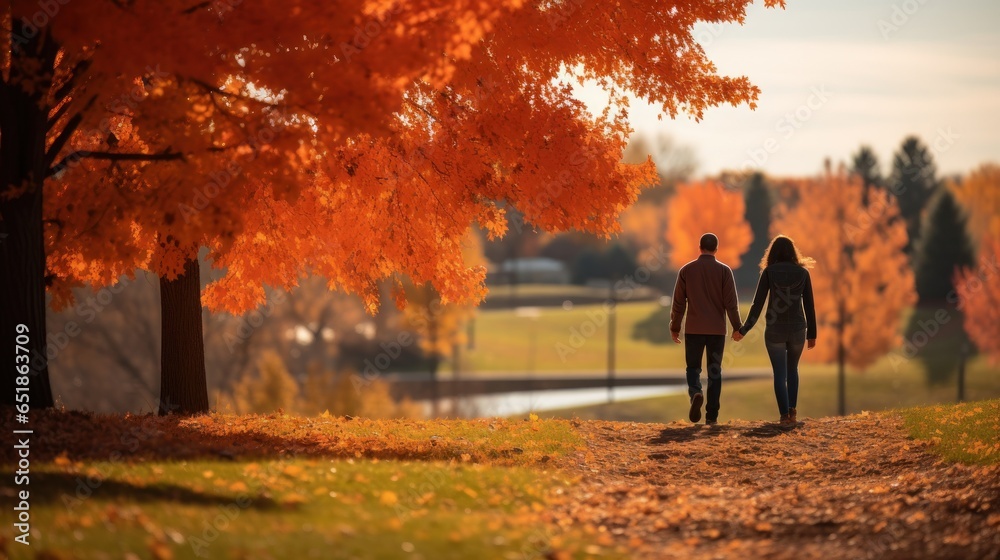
841 358
183 387
22 294
435 363
23 125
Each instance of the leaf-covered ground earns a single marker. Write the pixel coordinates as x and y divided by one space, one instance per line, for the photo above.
274 486
854 487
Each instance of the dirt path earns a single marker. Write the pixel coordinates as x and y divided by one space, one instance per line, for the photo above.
852 487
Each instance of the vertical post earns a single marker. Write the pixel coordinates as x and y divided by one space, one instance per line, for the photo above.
612 327
456 378
531 314
841 376
840 294
961 371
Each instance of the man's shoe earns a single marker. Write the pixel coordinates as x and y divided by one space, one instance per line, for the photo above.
793 416
786 420
711 422
695 414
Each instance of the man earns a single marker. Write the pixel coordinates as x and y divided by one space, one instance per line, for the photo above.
706 288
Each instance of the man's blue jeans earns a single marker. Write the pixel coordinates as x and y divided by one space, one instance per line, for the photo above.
784 350
710 346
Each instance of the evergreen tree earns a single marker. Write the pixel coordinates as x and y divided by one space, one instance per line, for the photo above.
759 202
913 182
618 263
865 165
944 247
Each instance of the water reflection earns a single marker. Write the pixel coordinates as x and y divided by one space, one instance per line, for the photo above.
523 402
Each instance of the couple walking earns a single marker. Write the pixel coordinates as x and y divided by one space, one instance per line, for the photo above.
706 290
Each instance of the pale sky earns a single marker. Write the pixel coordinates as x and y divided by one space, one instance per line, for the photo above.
835 74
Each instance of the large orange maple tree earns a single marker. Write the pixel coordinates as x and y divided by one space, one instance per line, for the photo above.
366 135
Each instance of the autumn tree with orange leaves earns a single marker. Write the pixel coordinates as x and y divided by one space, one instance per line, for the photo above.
703 207
979 287
355 159
979 194
862 281
979 299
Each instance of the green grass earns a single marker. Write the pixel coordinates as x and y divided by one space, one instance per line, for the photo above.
504 343
576 340
288 509
343 504
967 432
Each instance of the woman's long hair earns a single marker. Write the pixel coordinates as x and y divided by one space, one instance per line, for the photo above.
783 249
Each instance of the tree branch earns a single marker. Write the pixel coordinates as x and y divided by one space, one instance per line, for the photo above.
196 7
66 133
60 112
65 162
212 89
74 75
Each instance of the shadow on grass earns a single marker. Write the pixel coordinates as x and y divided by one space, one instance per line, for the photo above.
79 436
71 489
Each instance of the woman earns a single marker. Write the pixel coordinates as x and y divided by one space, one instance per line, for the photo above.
790 319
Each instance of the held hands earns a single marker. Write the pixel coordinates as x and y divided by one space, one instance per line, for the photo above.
737 336
811 343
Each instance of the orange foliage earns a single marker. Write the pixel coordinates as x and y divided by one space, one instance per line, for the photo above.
979 193
354 139
705 207
440 326
861 267
979 297
644 227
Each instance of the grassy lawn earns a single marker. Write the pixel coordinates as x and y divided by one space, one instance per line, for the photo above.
479 485
288 509
967 432
504 343
576 340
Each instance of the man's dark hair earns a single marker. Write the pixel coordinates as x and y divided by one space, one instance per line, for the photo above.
709 242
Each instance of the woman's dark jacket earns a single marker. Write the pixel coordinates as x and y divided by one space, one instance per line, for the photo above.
788 290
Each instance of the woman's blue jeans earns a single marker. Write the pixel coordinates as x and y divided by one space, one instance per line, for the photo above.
784 350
